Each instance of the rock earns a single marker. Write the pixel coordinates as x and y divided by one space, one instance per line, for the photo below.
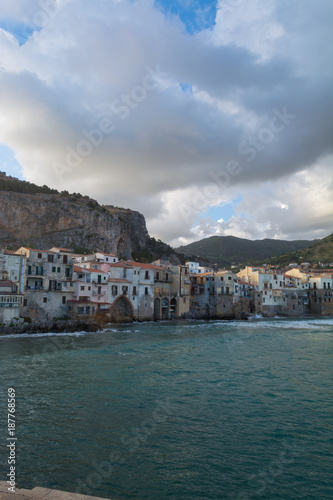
46 220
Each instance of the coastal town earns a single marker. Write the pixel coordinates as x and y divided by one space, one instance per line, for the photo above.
57 284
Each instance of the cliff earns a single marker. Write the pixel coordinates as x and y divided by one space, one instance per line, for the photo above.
44 220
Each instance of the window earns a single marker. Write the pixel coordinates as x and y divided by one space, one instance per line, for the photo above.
64 299
125 290
44 299
114 289
53 269
147 275
58 269
65 259
89 288
134 290
99 291
167 277
50 258
25 302
229 278
39 256
157 276
81 287
222 279
146 290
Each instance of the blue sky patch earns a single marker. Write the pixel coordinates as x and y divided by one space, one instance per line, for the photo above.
22 32
196 15
8 162
224 212
186 87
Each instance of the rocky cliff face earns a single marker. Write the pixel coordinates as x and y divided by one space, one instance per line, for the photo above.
46 220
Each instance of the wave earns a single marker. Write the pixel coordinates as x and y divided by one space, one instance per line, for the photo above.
49 334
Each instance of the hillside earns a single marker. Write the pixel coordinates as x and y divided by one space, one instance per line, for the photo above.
41 217
229 250
319 251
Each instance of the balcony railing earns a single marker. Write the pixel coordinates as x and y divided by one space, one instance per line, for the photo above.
36 288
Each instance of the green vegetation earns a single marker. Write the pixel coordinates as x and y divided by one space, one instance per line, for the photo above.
314 253
82 250
229 250
155 249
18 186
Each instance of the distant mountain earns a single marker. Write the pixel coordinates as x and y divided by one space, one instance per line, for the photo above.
319 251
229 250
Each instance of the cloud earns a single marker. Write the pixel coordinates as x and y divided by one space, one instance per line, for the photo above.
94 102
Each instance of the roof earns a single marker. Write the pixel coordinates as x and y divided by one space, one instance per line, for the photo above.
144 266
118 280
7 283
95 262
63 249
35 250
108 254
325 276
78 269
121 264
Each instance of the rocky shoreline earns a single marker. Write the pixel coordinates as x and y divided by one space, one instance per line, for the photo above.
72 326
68 326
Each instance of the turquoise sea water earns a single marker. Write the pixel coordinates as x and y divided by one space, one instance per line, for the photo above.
181 411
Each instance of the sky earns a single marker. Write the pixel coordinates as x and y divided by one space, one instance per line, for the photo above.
209 117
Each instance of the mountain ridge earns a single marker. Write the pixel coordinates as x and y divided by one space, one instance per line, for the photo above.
231 250
41 217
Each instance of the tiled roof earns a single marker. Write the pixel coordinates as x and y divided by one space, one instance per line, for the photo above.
78 269
63 249
4 283
144 266
118 280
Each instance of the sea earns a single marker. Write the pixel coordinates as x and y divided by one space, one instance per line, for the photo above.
185 410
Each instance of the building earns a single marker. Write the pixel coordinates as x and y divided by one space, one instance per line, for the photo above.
10 301
195 268
90 294
49 282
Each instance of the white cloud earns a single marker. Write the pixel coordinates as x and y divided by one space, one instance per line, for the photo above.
93 55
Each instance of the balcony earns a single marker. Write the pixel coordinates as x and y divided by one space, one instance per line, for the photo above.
95 293
38 272
34 288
